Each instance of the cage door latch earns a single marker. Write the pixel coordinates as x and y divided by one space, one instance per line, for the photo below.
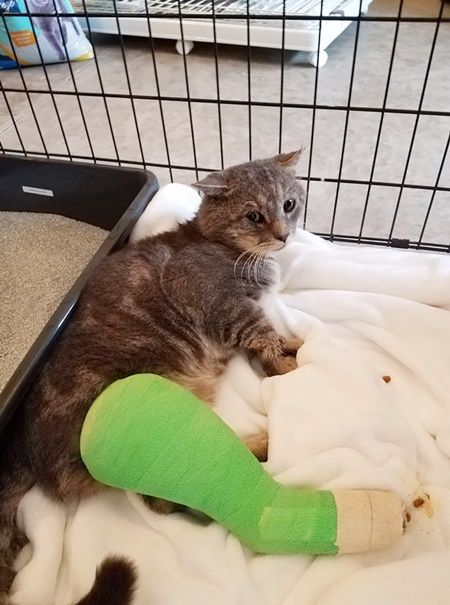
399 243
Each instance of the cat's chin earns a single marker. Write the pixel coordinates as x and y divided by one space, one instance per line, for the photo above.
269 248
276 247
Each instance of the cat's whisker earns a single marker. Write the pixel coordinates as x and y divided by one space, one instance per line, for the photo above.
258 252
249 261
255 255
237 261
259 256
255 268
259 261
251 251
251 269
242 255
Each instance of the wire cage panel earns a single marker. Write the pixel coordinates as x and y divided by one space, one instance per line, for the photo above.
375 120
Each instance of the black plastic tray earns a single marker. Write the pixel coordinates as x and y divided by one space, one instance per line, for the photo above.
107 197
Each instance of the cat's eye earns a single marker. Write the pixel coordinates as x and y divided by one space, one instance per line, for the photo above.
289 205
255 217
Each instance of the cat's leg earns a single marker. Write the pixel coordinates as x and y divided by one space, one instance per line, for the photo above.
254 333
204 384
202 380
257 444
231 317
161 506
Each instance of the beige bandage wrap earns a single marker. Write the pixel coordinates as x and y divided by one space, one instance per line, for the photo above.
367 519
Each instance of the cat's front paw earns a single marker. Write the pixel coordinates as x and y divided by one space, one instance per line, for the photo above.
290 346
277 354
281 365
285 360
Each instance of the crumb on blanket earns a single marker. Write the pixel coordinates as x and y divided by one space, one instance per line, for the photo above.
424 503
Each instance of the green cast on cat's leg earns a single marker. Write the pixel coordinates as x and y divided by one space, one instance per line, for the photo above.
149 435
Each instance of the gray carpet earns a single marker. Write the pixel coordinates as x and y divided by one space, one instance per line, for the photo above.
41 256
369 83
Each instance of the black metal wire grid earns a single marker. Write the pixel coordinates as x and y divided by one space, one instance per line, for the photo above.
398 187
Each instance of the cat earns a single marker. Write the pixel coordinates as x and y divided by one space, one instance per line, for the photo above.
179 304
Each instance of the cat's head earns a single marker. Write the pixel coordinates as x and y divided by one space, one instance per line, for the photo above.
253 205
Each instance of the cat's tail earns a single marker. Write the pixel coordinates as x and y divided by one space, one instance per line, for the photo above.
115 580
15 481
115 583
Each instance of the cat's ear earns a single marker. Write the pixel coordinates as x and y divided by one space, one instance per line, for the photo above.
289 159
213 184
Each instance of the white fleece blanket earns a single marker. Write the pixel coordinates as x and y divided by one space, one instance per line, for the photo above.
364 313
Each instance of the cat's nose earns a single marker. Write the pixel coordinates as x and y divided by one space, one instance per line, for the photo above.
279 230
282 237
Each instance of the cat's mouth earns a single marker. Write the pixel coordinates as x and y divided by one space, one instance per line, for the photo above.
275 246
265 248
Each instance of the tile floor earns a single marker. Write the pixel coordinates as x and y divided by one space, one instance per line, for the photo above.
368 90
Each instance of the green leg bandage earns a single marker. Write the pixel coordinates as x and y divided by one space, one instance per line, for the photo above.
149 435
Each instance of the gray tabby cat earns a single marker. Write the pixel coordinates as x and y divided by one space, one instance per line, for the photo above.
180 305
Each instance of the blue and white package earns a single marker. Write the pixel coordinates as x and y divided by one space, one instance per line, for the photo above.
59 38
